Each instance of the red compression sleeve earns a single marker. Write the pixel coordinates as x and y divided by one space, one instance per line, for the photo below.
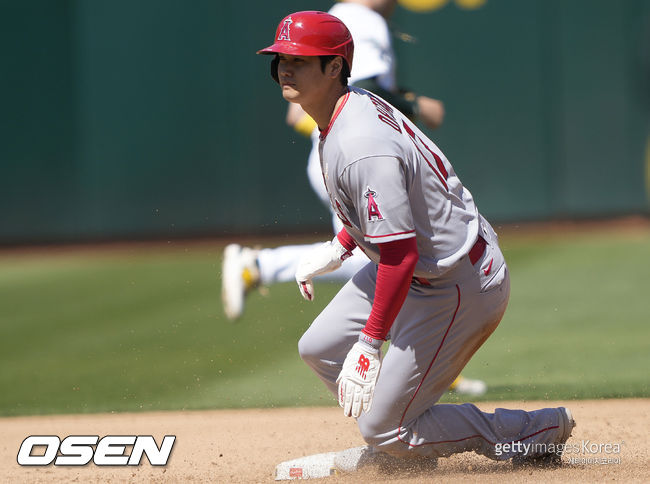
346 240
397 261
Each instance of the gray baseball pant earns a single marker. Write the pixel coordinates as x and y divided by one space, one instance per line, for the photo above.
438 329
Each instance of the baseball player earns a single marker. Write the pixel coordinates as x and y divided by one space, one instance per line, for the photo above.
438 284
374 70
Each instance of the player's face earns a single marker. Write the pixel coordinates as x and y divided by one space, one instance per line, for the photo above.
301 78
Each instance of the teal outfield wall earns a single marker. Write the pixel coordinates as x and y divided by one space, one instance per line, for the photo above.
154 118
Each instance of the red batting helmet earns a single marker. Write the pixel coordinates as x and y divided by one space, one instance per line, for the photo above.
312 33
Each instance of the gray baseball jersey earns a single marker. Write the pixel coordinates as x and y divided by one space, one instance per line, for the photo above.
387 180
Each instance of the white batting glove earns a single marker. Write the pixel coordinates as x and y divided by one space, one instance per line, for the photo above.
325 258
358 377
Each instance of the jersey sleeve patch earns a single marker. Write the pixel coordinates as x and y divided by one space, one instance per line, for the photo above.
374 214
376 187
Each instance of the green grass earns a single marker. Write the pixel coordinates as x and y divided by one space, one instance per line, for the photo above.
142 329
577 323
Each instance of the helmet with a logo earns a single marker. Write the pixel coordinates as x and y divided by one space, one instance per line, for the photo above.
312 33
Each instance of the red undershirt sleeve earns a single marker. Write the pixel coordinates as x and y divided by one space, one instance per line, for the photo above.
397 261
346 240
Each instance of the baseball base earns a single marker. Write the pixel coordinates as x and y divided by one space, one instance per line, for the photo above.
308 467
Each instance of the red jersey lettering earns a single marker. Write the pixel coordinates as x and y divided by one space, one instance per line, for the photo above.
385 113
440 171
339 213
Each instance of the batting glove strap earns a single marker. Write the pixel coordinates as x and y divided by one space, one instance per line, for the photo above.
325 258
356 382
374 343
341 252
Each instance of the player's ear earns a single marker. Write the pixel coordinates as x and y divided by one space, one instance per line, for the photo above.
274 68
335 67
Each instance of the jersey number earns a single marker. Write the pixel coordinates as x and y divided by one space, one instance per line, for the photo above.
439 169
339 213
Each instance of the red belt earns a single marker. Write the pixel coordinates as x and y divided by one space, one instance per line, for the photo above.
475 253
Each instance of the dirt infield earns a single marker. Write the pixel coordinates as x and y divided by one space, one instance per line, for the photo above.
224 446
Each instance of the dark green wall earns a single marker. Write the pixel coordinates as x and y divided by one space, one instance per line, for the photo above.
38 163
547 101
146 118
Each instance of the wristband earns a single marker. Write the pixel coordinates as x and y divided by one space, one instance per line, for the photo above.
370 341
